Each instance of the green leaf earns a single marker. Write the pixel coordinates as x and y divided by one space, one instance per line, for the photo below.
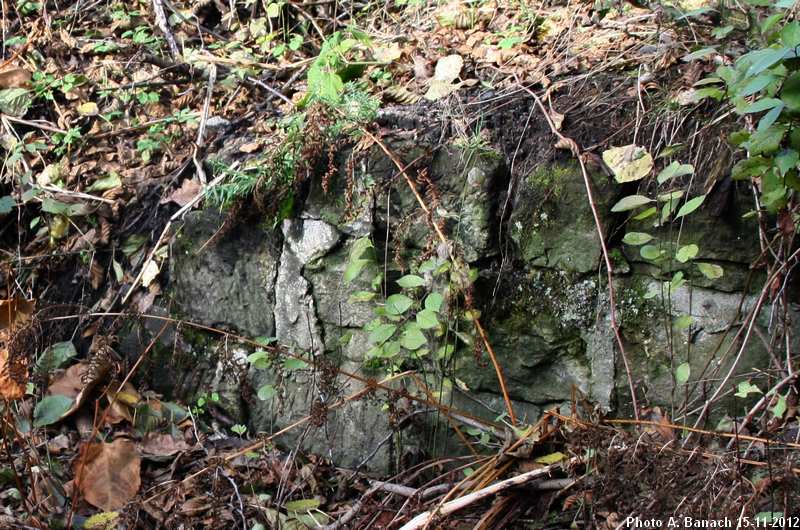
698 54
780 407
790 92
291 364
650 252
710 270
107 183
765 141
761 105
687 252
273 10
55 357
354 268
683 322
259 359
630 202
760 60
426 319
636 238
756 84
266 392
410 280
674 170
382 333
50 409
15 101
434 302
753 166
397 304
361 296
690 206
682 373
412 338
647 212
745 388
7 204
790 34
302 505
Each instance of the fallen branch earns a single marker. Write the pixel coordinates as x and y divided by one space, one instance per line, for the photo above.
459 504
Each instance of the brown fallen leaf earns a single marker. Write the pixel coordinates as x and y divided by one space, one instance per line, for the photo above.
107 474
161 445
188 190
15 77
77 383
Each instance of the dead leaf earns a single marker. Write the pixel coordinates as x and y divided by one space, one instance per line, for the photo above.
183 195
89 108
150 272
15 312
77 383
15 77
161 445
13 377
107 474
629 163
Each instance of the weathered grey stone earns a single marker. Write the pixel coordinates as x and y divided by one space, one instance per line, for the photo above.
227 283
296 323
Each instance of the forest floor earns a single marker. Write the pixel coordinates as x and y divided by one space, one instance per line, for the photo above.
110 113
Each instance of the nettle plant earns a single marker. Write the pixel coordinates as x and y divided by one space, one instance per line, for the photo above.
763 86
408 322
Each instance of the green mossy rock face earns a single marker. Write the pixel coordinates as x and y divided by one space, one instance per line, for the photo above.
552 222
540 287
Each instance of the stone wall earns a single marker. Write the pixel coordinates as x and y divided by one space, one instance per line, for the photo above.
540 287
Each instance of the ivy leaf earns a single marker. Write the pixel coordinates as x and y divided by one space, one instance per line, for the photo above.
397 304
780 407
647 212
690 206
410 280
636 238
674 170
382 333
687 252
630 202
745 388
682 373
266 392
50 409
412 338
259 360
710 270
361 296
790 34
